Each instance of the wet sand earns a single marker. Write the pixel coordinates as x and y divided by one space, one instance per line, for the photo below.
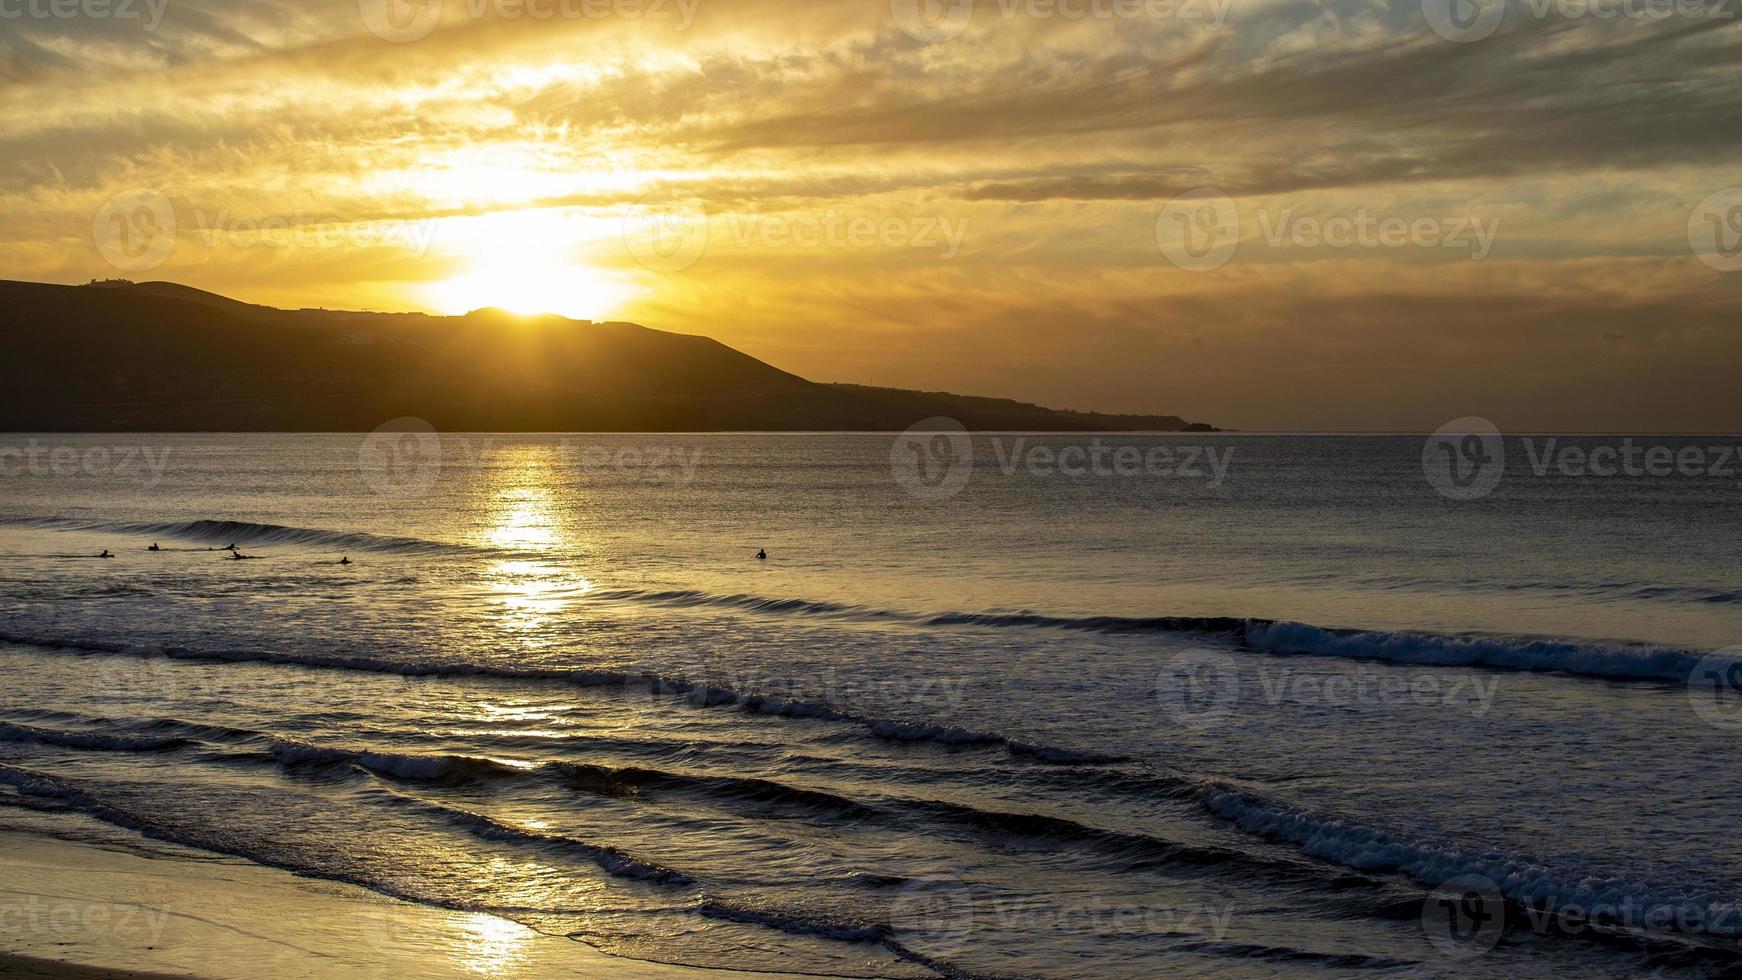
28 968
81 911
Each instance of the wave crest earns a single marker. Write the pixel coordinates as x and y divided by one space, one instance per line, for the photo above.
217 533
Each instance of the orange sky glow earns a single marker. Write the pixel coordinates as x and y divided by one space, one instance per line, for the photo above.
1269 215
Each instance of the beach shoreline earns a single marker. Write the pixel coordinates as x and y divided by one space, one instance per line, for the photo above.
84 911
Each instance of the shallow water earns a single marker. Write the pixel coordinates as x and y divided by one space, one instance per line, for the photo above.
1241 712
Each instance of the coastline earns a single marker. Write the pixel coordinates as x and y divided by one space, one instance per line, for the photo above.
82 911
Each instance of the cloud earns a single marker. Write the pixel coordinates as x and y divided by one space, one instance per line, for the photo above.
1055 141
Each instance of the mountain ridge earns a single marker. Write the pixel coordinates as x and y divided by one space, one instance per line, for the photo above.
160 356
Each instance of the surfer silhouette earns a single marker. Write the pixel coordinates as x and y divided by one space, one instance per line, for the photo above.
762 554
154 547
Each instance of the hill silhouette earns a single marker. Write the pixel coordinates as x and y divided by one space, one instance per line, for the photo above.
119 356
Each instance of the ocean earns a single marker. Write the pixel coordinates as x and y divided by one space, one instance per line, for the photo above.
1079 705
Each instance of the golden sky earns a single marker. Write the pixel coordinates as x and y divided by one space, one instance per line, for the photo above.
1261 213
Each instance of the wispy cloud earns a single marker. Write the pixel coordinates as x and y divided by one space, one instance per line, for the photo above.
1052 142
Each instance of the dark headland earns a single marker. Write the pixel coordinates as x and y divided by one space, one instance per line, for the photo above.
161 357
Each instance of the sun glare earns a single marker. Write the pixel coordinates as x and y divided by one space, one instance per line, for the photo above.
527 262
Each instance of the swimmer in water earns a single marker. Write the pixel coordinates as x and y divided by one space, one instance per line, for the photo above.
345 560
762 555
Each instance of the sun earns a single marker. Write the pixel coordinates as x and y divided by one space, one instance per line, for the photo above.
526 262
544 285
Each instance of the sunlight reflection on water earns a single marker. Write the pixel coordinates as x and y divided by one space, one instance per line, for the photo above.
524 517
493 946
